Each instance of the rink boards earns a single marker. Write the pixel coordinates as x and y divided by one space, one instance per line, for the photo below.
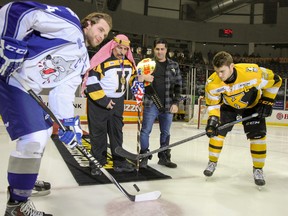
279 117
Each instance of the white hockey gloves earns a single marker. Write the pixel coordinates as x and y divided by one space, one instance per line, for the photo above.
12 53
73 131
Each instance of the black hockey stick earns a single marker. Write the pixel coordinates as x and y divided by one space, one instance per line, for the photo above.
135 198
124 153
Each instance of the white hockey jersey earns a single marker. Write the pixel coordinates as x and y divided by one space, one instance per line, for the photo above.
57 55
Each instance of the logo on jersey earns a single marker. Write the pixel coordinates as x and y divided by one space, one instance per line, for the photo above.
6 124
79 42
111 63
251 69
236 100
47 116
220 90
55 68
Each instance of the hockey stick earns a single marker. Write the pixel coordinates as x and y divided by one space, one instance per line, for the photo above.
135 198
124 153
138 135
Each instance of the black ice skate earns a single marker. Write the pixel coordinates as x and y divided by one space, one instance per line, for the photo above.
258 177
23 209
210 169
26 208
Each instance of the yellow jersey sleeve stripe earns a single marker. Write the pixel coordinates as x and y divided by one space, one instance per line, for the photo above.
96 95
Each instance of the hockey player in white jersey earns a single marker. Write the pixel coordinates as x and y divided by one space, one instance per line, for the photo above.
46 45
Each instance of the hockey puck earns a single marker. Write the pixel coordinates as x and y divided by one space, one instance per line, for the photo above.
136 187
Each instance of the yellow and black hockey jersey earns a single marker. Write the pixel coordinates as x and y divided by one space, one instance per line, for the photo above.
252 83
110 79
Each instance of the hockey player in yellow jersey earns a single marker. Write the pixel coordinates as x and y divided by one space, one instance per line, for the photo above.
239 90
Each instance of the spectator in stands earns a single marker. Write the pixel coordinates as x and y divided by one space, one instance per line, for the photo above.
138 56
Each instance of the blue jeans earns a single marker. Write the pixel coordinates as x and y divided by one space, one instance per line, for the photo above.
149 116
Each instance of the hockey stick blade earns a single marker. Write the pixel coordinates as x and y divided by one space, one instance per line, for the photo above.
83 150
124 153
147 196
129 155
134 198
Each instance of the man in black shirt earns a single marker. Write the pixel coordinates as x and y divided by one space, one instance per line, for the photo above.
167 83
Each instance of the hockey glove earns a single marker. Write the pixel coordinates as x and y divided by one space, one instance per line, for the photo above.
73 131
264 107
12 54
212 125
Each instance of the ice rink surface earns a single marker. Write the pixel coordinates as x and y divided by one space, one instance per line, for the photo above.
230 191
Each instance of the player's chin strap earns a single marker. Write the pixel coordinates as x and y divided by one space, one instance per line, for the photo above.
135 198
124 153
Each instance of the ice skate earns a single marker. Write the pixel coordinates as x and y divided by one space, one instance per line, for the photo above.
258 177
208 172
25 208
41 188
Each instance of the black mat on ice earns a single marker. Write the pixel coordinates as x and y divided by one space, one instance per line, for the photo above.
81 173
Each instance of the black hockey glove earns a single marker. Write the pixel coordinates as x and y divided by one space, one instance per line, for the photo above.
212 125
264 107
